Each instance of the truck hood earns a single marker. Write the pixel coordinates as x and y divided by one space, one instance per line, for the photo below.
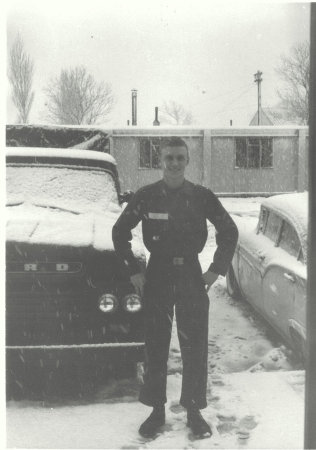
51 225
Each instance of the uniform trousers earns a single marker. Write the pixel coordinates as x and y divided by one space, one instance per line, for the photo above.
175 283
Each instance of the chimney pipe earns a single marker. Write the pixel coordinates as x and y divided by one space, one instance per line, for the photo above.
134 106
231 123
156 121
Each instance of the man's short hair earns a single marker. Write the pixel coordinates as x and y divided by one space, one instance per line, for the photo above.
174 142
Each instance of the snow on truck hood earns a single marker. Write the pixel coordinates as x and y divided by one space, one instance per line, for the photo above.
60 153
54 226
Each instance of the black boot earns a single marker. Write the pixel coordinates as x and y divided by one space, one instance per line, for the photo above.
151 426
199 427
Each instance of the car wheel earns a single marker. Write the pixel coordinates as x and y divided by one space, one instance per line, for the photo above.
232 285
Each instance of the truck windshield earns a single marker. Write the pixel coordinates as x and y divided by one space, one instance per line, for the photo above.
60 186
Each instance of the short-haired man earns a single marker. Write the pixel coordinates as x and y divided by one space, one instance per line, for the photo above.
173 212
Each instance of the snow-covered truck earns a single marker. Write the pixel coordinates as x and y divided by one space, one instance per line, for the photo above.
68 299
269 267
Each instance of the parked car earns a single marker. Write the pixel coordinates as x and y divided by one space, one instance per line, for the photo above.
269 266
68 299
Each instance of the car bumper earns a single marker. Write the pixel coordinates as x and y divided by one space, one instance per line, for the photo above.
22 358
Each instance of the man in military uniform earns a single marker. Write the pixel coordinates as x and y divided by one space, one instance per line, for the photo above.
173 212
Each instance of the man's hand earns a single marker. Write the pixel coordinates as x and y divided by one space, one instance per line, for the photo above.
138 281
209 279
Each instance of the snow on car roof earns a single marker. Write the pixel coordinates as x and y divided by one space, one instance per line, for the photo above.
292 205
60 153
295 208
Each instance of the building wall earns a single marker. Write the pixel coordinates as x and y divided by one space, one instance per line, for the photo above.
225 177
222 165
212 154
125 149
289 161
212 159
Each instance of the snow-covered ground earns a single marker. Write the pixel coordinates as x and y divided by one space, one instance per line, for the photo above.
256 392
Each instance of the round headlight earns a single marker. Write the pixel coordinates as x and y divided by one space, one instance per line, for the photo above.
107 303
132 303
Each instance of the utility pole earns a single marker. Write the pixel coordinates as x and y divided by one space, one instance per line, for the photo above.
258 80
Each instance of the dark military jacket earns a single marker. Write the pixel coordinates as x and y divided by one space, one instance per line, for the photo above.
174 224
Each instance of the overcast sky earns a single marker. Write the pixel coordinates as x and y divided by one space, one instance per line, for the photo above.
201 54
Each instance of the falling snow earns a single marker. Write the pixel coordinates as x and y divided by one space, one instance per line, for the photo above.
255 393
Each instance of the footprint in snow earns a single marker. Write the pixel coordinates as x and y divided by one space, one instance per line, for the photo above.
226 423
242 428
141 441
224 418
213 398
195 441
176 408
246 424
218 382
175 350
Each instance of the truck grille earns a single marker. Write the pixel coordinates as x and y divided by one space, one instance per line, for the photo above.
39 319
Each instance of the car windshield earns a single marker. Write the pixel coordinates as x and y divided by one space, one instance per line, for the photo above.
70 188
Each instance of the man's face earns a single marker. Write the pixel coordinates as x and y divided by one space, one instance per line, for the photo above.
174 161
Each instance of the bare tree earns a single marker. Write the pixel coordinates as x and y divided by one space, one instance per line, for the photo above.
176 114
75 98
294 71
20 73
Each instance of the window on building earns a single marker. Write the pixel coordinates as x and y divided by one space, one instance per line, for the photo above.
254 153
149 154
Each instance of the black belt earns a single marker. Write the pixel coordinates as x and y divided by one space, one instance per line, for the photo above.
176 260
